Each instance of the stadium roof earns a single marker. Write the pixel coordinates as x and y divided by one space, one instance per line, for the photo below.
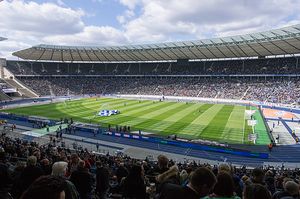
275 42
2 38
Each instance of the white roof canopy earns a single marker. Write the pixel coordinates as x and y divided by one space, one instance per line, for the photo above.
275 42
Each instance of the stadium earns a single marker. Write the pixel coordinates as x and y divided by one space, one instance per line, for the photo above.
223 103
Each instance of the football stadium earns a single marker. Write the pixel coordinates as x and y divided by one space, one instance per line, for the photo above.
210 117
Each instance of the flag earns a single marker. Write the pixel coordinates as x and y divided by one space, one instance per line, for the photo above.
106 113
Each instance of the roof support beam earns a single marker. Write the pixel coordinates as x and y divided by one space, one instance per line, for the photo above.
229 48
61 54
52 54
41 55
87 54
181 51
79 55
139 52
100 51
71 55
250 46
93 51
188 47
170 49
260 44
274 43
128 54
287 41
199 50
147 52
163 52
108 51
208 49
216 46
121 50
238 46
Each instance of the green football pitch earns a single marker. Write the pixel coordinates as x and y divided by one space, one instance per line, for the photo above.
217 122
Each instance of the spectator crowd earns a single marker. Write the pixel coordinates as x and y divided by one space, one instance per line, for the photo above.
272 90
32 171
283 65
59 78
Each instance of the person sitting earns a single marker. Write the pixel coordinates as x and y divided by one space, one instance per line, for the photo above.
164 173
291 191
5 179
133 186
46 187
200 184
258 176
102 180
60 169
82 180
30 173
224 187
256 191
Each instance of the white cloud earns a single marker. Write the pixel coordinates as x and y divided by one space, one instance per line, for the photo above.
131 4
91 35
165 19
46 18
61 3
8 46
128 14
29 23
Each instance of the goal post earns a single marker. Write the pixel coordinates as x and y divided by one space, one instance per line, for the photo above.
251 122
249 114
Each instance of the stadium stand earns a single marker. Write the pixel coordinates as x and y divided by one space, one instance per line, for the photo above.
271 66
110 176
264 79
30 169
276 91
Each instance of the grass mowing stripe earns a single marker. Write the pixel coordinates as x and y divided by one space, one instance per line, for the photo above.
93 110
126 110
148 124
128 113
91 116
40 109
185 121
215 128
138 122
56 113
140 112
92 107
234 127
163 124
83 103
248 130
199 123
260 128
90 113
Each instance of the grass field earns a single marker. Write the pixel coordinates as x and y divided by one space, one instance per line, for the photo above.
219 122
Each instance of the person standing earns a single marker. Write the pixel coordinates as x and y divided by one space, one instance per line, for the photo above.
30 173
97 146
82 180
102 180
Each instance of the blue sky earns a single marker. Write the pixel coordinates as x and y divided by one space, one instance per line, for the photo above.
121 22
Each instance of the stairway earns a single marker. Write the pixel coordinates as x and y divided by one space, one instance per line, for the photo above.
23 90
3 96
